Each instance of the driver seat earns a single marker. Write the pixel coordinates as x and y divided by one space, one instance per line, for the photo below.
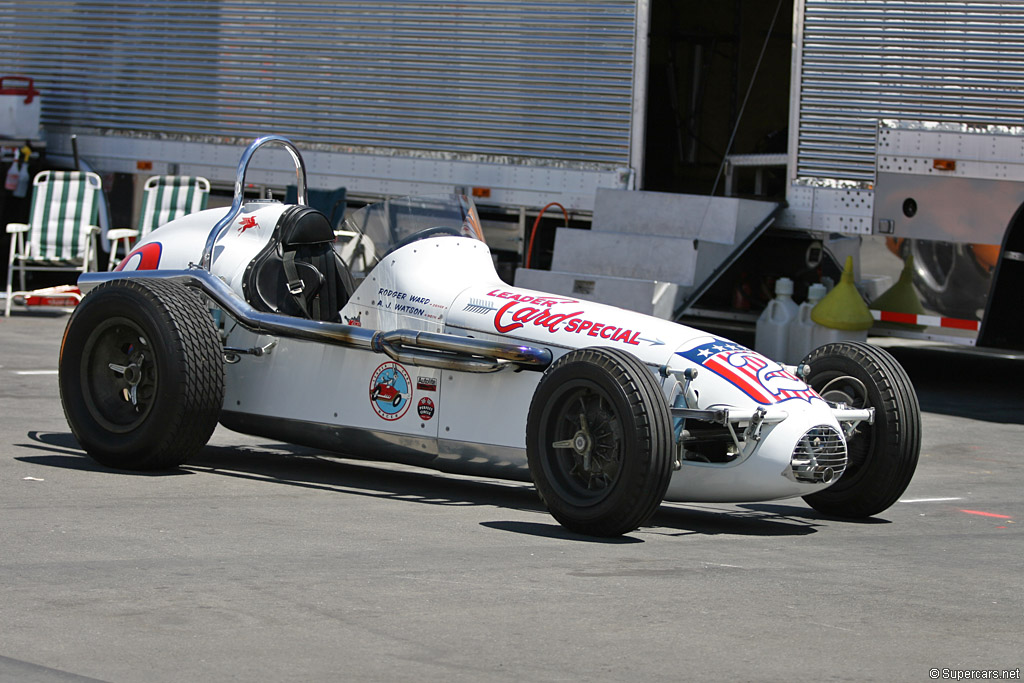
299 273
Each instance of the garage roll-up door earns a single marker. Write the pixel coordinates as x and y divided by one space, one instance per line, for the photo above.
932 60
479 78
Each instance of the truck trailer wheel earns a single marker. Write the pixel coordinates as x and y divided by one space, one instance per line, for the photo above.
883 455
141 376
950 278
599 441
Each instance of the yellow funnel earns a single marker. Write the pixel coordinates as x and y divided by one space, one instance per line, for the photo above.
901 297
843 308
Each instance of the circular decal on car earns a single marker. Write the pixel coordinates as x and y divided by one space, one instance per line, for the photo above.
425 408
390 394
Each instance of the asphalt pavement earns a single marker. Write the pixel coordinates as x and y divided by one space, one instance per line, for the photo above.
261 561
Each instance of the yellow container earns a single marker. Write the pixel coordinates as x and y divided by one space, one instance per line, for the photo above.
843 308
901 297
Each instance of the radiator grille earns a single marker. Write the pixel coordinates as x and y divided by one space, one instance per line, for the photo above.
820 456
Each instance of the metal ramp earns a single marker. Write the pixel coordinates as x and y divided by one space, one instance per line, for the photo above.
652 252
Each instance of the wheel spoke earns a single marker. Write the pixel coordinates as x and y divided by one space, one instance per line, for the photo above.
583 403
604 434
587 436
583 425
123 378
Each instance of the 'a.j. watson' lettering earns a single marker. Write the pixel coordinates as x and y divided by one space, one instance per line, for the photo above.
509 318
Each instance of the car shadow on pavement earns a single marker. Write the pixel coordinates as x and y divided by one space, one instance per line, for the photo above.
691 519
308 468
290 465
63 440
797 512
298 466
63 451
555 530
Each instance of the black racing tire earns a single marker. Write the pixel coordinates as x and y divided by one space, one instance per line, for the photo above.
141 374
882 456
610 406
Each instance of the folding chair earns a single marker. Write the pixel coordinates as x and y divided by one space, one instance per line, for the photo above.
61 232
167 197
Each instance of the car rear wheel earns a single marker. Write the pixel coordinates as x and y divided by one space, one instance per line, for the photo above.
599 441
141 375
883 455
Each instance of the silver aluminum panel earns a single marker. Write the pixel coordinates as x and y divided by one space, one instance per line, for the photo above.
950 209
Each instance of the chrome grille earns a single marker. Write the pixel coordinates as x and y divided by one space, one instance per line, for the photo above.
820 456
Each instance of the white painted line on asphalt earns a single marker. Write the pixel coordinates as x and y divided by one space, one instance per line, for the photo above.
35 372
927 500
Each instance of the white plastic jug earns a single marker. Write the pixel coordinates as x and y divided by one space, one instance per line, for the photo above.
801 331
772 332
11 182
22 189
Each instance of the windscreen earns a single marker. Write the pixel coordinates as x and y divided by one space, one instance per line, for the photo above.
375 230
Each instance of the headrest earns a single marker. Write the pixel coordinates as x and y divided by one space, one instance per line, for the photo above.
304 225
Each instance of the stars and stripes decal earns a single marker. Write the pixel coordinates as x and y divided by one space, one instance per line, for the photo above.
763 380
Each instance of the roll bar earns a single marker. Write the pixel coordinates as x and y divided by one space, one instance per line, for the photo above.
236 204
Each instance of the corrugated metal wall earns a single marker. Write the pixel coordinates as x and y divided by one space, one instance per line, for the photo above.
932 60
484 78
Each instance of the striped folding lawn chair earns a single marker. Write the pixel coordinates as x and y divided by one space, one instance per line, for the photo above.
166 198
61 230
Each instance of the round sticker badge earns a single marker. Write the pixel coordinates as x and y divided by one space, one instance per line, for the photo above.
425 408
390 393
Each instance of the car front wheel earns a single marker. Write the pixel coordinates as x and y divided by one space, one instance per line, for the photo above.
599 441
882 455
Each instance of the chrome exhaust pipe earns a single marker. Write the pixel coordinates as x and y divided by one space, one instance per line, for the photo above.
425 349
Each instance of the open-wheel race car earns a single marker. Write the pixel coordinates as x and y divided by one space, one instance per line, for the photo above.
392 338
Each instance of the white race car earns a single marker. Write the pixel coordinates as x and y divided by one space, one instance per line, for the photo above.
394 339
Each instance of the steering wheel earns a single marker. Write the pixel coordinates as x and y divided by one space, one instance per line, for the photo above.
435 231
